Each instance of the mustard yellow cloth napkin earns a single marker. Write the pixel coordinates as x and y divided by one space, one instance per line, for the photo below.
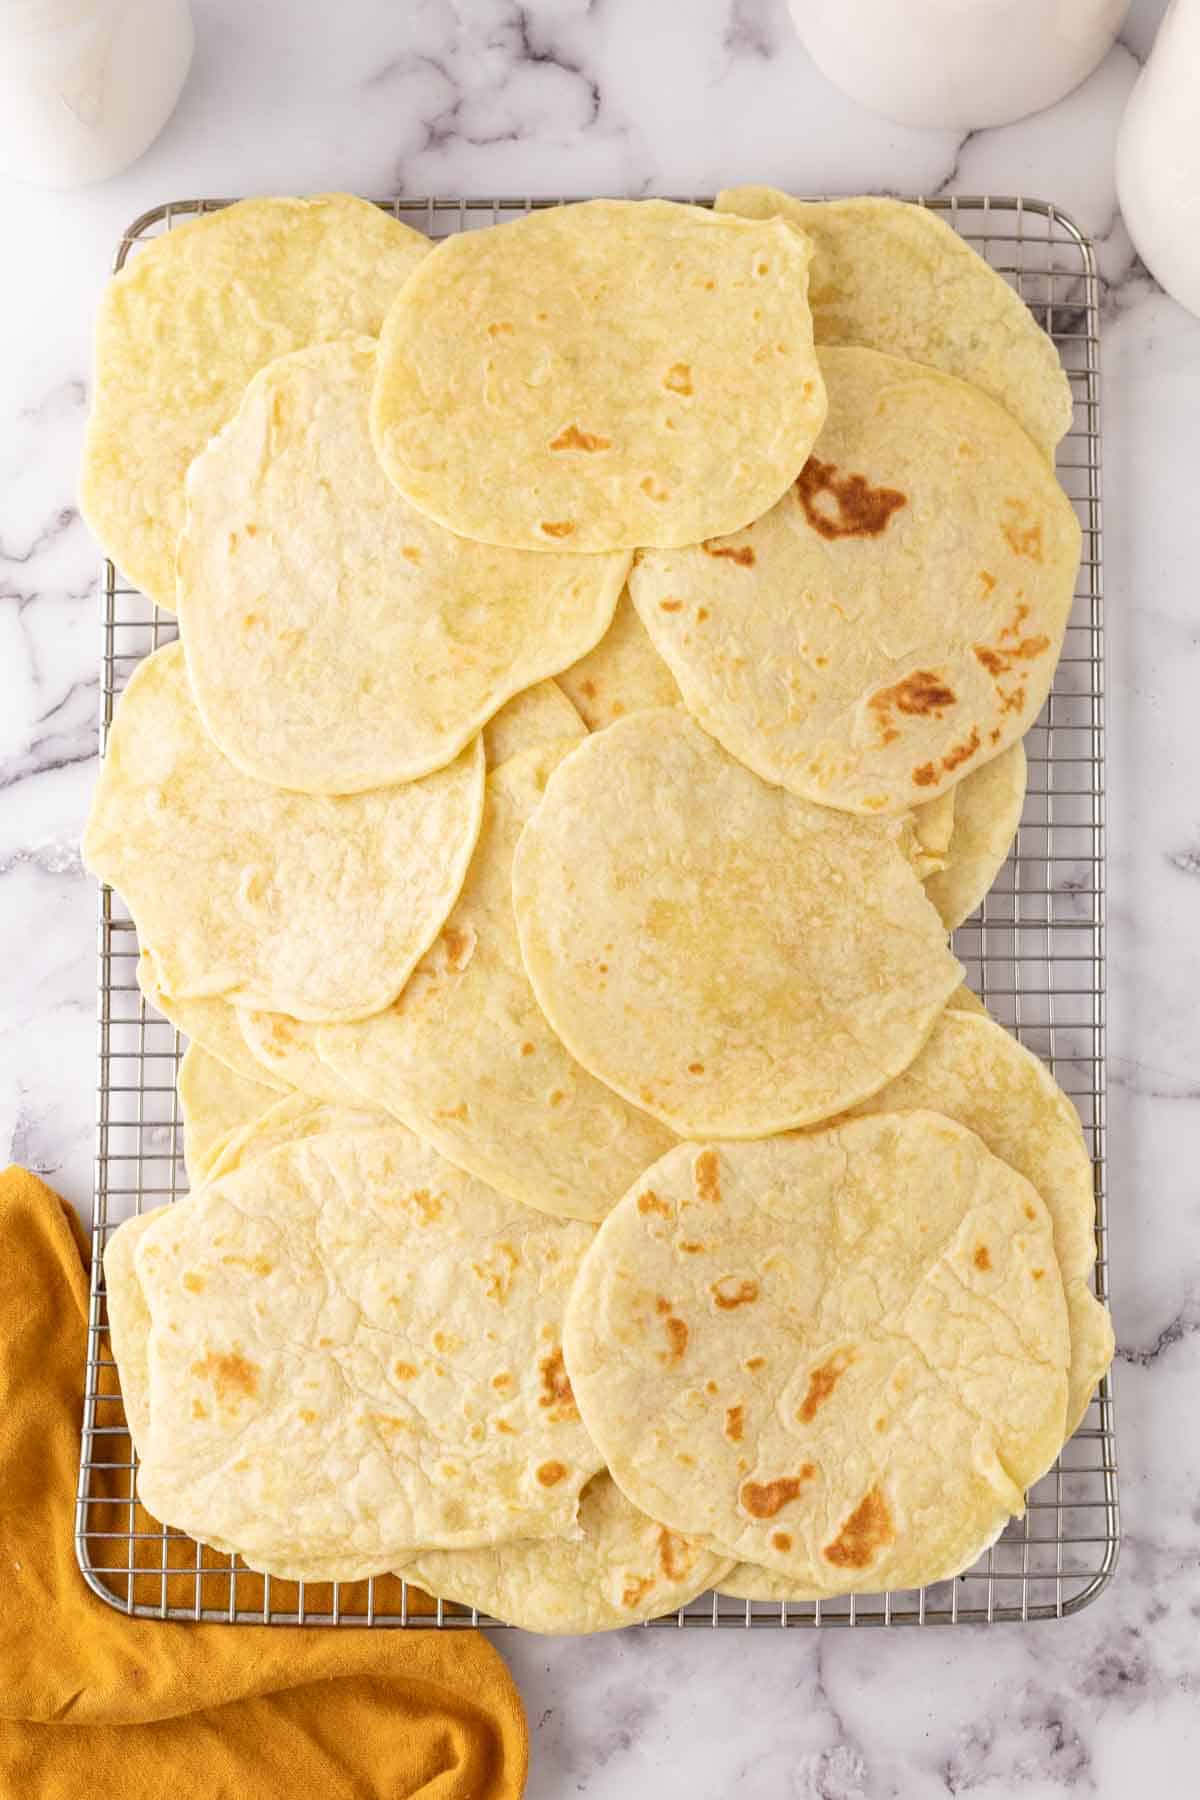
92 1702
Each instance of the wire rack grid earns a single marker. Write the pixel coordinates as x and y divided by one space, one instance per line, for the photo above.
1033 951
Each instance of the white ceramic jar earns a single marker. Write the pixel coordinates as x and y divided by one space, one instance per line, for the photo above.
960 63
1158 157
87 85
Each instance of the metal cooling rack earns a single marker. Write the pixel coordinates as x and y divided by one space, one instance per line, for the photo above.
1034 952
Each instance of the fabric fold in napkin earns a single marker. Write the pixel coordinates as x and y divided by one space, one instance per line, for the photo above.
92 1701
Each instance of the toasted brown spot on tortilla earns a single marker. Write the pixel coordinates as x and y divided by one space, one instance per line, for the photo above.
673 1559
254 1265
653 489
389 1423
677 1339
501 1381
710 1386
308 1415
526 1049
678 378
868 1529
701 614
233 1376
706 1174
925 775
961 753
199 1410
459 946
500 329
458 1112
821 1384
504 1426
921 695
733 1291
574 439
993 662
558 528
691 1247
754 1362
695 1068
735 1418
636 1589
1030 1212
781 1540
550 1473
741 554
662 1307
982 1257
988 580
194 1284
649 1202
410 553
404 1371
670 605
862 510
1022 539
556 1388
763 1499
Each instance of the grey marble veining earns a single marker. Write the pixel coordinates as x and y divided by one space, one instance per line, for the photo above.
635 96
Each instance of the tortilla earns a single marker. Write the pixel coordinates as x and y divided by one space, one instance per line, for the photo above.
623 674
731 959
987 813
214 1102
337 639
211 1024
541 714
897 278
841 1354
466 1059
894 622
974 1071
352 1349
601 376
624 1569
285 902
187 322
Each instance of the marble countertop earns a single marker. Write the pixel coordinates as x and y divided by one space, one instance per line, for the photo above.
637 96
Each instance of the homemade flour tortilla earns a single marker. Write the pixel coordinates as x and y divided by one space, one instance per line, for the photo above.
840 1355
988 805
466 1058
601 376
129 1321
286 1050
977 1073
895 620
337 639
623 674
213 1103
625 1568
291 903
211 1024
731 959
896 277
354 1348
541 714
190 318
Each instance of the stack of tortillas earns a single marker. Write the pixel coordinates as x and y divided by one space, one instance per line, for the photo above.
606 642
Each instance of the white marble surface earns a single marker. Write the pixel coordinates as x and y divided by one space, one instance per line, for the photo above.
485 96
